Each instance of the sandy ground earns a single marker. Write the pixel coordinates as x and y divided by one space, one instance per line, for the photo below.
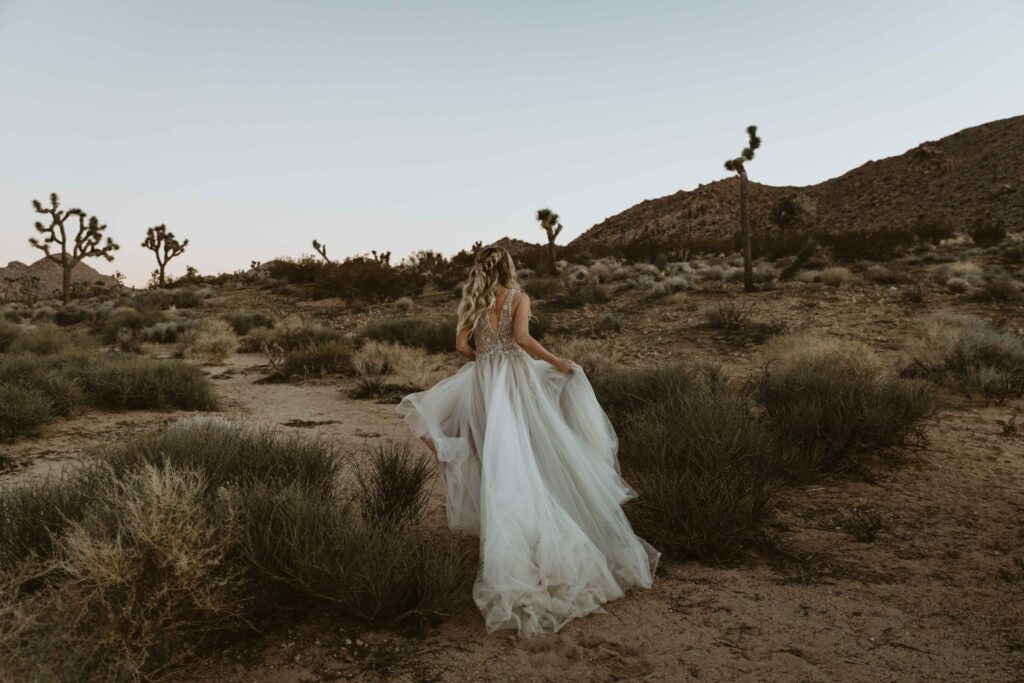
936 597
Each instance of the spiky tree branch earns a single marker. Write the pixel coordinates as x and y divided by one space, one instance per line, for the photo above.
66 251
548 220
321 249
738 166
165 246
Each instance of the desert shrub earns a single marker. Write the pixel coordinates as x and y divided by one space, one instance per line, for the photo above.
883 275
627 391
727 315
583 293
543 287
46 375
837 276
360 277
987 231
167 332
825 401
540 324
697 458
317 360
22 410
290 334
393 484
212 341
405 304
434 336
968 353
243 322
46 340
932 229
162 299
372 364
869 245
596 358
999 288
126 318
8 333
126 381
607 322
72 314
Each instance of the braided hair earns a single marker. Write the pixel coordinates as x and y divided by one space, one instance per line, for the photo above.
493 267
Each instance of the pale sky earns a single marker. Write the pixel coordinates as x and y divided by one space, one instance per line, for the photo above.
254 127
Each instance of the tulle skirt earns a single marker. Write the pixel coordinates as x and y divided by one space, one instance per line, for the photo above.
530 466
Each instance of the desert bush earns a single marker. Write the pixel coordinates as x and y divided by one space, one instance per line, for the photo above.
46 375
405 304
23 410
434 336
290 334
1001 287
864 523
393 484
167 332
127 318
837 276
884 275
987 231
46 340
583 293
809 276
317 360
8 333
596 358
543 287
607 322
125 381
968 353
243 322
697 458
72 314
212 341
162 299
727 315
372 364
825 401
360 278
869 245
932 229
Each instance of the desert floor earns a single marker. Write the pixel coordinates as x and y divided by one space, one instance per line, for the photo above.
938 595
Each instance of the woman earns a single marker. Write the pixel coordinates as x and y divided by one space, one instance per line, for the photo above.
530 466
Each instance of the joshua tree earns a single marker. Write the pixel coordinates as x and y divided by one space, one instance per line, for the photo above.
87 242
738 166
548 220
788 212
166 246
322 250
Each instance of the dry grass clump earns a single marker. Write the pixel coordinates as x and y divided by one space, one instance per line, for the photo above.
127 564
837 276
826 401
8 333
23 410
128 318
380 368
697 458
244 321
47 340
317 360
66 382
405 304
212 341
968 353
434 336
289 334
728 315
595 357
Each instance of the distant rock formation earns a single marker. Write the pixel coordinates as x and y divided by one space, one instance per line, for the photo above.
48 276
952 179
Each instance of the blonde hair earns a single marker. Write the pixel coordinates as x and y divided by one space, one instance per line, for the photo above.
493 267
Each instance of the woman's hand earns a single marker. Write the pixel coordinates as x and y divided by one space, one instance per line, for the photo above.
563 365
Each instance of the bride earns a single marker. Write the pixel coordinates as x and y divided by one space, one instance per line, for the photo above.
530 466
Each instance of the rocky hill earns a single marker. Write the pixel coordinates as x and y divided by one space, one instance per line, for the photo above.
48 275
952 179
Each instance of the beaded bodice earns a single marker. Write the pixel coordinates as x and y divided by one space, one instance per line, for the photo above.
489 341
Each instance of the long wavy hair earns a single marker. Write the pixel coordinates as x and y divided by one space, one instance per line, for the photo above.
494 266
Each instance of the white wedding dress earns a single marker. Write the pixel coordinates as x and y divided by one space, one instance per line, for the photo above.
530 465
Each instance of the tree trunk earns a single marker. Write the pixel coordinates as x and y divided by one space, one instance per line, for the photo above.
66 283
162 280
748 266
552 264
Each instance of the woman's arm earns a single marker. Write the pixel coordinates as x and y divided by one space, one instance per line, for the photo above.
521 332
462 344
